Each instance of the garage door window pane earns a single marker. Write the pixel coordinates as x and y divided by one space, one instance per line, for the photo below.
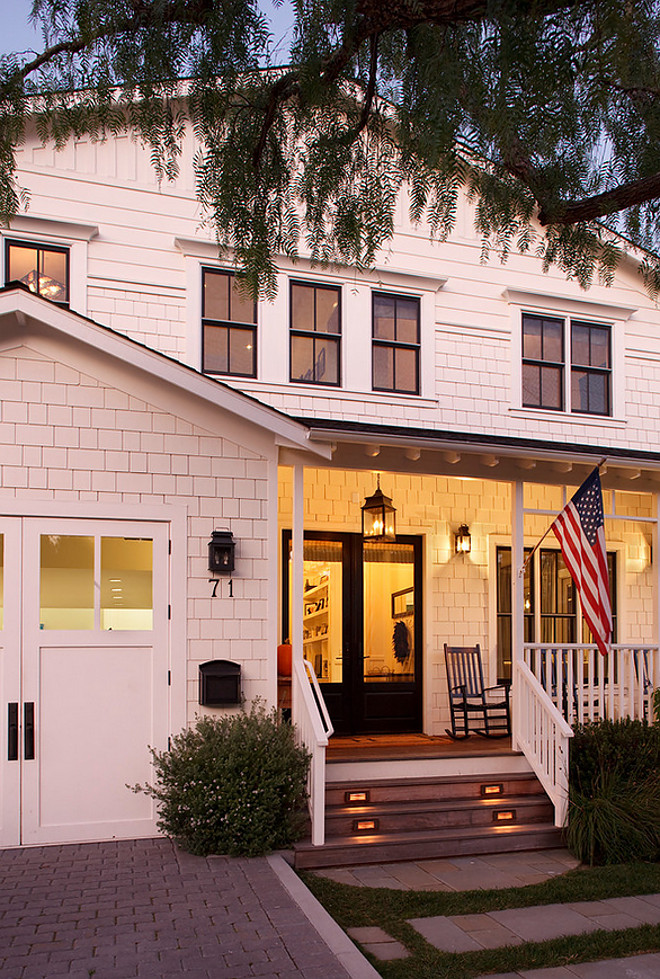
126 583
66 582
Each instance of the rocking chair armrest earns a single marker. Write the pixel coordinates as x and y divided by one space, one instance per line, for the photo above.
506 687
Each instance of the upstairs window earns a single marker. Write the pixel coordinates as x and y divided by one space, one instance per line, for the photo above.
229 326
588 389
315 333
44 269
590 368
395 332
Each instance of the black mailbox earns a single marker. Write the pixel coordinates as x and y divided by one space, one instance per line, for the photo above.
219 683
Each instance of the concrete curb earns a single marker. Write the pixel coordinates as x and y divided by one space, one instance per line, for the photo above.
337 940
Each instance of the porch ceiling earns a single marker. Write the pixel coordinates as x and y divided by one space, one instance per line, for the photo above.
406 450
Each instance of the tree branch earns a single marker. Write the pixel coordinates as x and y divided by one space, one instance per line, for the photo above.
601 205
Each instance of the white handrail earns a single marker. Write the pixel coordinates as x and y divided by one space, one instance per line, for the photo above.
313 727
543 735
587 686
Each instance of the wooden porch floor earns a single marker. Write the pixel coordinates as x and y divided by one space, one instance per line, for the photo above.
383 747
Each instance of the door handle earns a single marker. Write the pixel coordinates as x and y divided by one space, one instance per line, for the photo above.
28 731
12 732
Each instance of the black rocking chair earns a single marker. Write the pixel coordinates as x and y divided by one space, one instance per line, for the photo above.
470 700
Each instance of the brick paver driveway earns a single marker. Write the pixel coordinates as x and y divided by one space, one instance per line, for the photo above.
143 908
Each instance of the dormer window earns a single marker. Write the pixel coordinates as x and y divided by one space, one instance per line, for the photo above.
44 269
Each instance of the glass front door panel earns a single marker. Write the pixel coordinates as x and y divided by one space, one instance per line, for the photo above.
66 582
389 613
323 638
126 583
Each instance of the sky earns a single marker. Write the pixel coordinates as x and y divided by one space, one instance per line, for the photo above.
18 34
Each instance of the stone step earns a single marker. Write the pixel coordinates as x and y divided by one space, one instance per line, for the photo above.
444 814
393 847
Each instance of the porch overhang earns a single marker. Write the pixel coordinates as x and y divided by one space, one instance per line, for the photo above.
470 455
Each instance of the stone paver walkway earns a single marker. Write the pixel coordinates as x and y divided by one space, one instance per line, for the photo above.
637 967
496 870
473 932
145 909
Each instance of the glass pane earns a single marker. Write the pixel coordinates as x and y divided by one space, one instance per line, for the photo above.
551 387
531 338
552 341
327 310
242 309
323 640
302 307
579 391
389 613
216 359
600 347
406 370
52 281
326 366
216 296
2 581
580 345
22 266
384 317
302 359
531 385
126 583
384 368
599 402
407 321
66 582
241 346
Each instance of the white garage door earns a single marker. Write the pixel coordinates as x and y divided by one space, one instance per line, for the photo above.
83 677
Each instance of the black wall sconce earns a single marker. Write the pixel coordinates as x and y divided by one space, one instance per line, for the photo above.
378 517
221 552
463 540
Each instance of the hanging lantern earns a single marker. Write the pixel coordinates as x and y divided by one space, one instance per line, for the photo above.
378 517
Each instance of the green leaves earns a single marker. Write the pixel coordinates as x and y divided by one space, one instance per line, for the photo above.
533 109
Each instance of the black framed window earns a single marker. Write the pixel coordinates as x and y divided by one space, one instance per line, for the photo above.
542 362
229 326
395 332
315 335
43 268
591 368
558 612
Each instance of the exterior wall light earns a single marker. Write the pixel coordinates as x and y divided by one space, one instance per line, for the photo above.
463 540
378 517
221 552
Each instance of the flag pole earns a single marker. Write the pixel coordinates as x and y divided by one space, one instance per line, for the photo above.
538 543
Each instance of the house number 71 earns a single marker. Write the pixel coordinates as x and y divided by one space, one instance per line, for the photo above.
215 582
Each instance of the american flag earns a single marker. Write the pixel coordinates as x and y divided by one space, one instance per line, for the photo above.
580 530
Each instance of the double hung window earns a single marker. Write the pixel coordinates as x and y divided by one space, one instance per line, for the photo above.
229 326
44 269
315 335
566 365
396 342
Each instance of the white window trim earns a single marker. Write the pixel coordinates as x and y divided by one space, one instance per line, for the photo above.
59 234
539 304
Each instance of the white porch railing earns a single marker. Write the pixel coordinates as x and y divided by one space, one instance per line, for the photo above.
313 727
543 735
584 685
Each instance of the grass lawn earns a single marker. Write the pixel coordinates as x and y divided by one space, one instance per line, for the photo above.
355 907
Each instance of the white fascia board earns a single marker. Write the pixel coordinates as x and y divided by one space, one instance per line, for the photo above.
25 307
32 225
575 306
334 437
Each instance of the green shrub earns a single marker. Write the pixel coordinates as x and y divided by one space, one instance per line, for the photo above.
614 792
233 785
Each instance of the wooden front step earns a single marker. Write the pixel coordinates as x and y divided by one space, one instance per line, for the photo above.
422 818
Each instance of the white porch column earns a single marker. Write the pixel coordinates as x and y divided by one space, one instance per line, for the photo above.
517 597
655 539
297 571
